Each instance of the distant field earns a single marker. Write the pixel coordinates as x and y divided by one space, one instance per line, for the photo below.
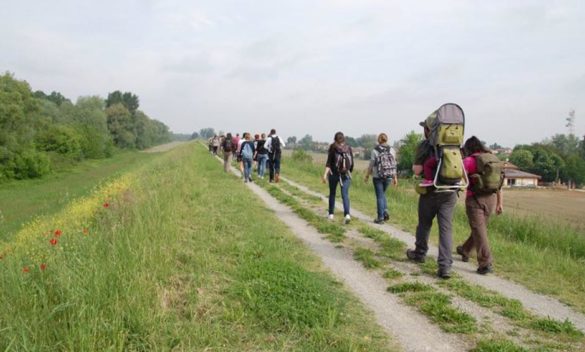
559 205
321 158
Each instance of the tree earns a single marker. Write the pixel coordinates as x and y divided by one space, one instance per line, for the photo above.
495 146
195 135
407 150
522 158
291 141
582 148
121 126
306 142
352 142
207 133
566 144
129 100
574 171
368 142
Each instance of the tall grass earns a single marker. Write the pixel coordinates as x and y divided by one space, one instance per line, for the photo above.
185 258
546 256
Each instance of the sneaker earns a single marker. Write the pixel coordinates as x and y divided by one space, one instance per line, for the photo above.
464 257
386 216
250 179
444 273
415 257
347 219
378 221
330 217
485 270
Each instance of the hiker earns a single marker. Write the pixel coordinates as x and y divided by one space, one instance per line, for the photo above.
274 145
432 203
210 145
256 139
247 151
383 170
236 142
261 155
484 197
228 148
215 144
239 153
338 170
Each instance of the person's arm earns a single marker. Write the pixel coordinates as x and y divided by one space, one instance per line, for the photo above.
327 167
268 144
370 166
500 202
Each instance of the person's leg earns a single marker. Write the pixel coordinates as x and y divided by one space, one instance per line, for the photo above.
479 223
226 161
333 180
470 208
271 168
261 165
277 169
379 189
385 185
345 184
446 206
426 213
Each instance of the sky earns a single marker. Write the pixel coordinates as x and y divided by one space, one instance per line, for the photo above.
312 67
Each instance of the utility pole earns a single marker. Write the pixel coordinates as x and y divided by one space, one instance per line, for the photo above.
571 122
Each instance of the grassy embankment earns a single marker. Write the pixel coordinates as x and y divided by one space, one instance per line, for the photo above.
21 201
545 256
173 261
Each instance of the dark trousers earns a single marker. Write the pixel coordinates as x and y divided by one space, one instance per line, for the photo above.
380 186
345 182
479 209
441 206
273 166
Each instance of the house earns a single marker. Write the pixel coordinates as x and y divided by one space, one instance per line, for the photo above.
514 177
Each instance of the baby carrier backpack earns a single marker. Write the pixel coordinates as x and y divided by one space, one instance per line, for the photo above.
446 127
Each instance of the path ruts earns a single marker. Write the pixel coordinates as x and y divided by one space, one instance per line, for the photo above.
539 304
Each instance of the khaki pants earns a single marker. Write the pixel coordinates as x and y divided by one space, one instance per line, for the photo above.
479 209
227 158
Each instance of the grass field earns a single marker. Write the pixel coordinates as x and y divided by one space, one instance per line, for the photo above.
543 255
173 262
21 201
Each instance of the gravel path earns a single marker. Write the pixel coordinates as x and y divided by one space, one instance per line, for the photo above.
539 304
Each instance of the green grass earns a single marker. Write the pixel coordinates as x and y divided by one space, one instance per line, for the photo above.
179 263
21 201
546 257
497 345
366 257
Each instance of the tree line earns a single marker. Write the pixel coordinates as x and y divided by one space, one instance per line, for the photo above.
42 132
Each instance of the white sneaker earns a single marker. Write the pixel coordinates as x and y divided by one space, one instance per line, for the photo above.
347 219
330 217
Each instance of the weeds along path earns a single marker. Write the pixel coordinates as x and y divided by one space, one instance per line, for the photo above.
411 328
539 304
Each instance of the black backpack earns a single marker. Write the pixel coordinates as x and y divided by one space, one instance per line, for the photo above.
385 162
275 146
227 145
343 159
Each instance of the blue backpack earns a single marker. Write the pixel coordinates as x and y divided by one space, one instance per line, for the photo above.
247 151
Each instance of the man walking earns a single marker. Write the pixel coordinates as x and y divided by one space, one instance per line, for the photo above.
431 204
274 145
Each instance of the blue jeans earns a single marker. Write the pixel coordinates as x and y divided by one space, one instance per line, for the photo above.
262 158
345 182
380 186
247 168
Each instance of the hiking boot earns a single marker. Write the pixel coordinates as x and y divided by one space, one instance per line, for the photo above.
347 219
464 257
415 257
485 270
444 273
277 178
386 216
379 221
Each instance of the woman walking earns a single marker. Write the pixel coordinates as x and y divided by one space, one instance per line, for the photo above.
247 154
338 170
484 197
261 155
382 168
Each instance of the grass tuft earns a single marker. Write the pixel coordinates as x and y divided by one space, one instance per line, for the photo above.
366 257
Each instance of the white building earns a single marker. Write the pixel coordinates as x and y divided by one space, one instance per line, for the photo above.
514 177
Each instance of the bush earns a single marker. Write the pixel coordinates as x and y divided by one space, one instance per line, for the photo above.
302 156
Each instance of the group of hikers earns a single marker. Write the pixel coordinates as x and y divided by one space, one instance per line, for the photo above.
445 164
265 152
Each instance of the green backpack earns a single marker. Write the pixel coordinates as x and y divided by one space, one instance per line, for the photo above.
490 174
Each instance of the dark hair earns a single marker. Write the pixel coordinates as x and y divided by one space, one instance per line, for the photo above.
339 138
474 145
228 136
273 131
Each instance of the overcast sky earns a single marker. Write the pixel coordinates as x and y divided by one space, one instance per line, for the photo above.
316 67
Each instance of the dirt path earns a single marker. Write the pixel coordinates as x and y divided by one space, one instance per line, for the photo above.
164 147
539 304
410 328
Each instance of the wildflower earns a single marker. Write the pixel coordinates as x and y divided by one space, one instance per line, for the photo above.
53 241
106 205
25 269
43 266
58 232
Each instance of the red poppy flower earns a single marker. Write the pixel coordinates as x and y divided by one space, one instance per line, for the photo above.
58 232
106 205
43 266
25 269
53 241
